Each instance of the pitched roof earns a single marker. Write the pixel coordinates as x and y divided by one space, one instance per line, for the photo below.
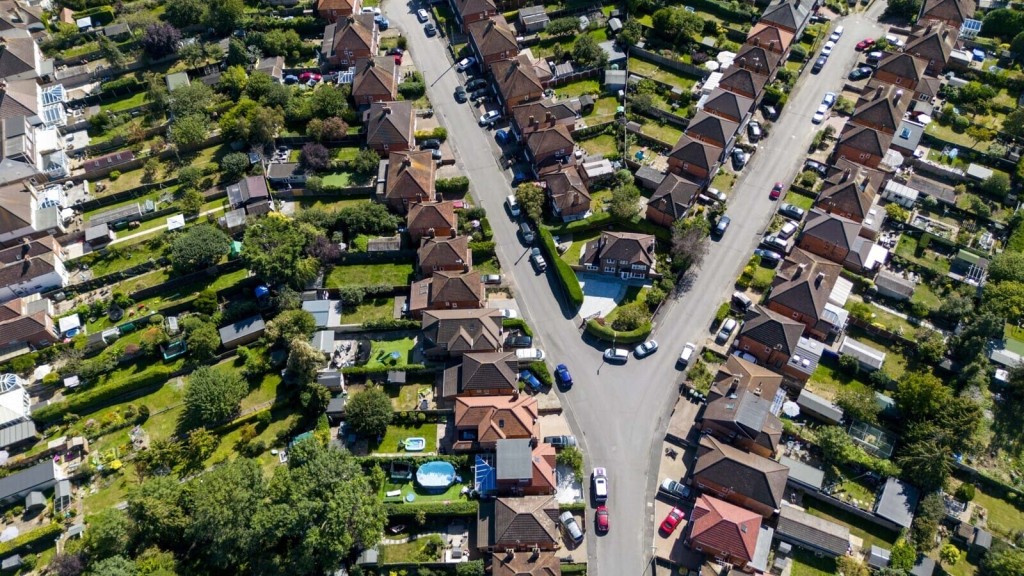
19 98
542 564
932 42
567 191
467 7
748 416
489 370
22 328
865 140
464 330
691 151
18 53
389 123
798 526
724 527
449 286
526 520
629 246
548 141
708 128
45 472
14 15
774 38
832 229
516 78
342 5
953 10
852 195
426 215
15 207
354 33
773 330
757 59
789 14
895 283
410 176
538 112
727 104
804 282
743 81
493 36
28 270
674 196
442 252
374 76
737 375
903 65
882 108
753 476
498 417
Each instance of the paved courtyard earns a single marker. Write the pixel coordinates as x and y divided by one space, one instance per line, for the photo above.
600 296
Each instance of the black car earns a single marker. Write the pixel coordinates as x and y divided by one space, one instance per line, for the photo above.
860 72
476 84
722 225
432 144
481 93
460 94
395 52
519 341
819 64
430 29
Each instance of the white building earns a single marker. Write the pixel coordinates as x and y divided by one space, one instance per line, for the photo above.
14 401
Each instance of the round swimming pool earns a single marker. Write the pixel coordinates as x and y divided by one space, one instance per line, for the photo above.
437 474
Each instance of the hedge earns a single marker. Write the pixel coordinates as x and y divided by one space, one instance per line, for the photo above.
565 274
367 370
391 324
594 328
90 400
517 324
456 185
482 251
572 507
540 370
439 133
432 509
457 460
43 537
574 569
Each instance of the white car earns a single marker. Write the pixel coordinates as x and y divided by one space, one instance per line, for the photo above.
829 99
465 64
600 480
616 355
530 354
490 117
509 313
827 48
687 354
819 116
422 15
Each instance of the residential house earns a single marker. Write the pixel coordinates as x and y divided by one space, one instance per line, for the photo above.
808 353
862 145
29 148
894 285
933 44
335 10
527 118
775 39
482 421
21 58
375 80
456 332
549 150
671 200
410 180
743 82
728 105
744 479
744 420
525 467
801 291
40 477
446 289
469 11
713 130
737 376
28 212
286 174
243 332
526 564
952 12
14 15
248 190
770 337
850 196
31 267
901 69
789 15
726 532
518 524
350 40
897 503
695 159
829 236
492 40
444 253
15 403
758 59
26 98
390 126
517 83
26 324
624 254
881 108
811 533
431 220
569 197
481 374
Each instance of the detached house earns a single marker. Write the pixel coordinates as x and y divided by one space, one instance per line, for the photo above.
745 421
748 480
482 421
446 290
770 337
444 253
481 374
410 180
671 199
851 196
518 524
350 40
430 220
801 291
694 159
623 254
456 332
375 80
525 467
390 127
526 564
729 533
334 10
933 44
952 12
569 197
492 40
549 150
469 11
517 83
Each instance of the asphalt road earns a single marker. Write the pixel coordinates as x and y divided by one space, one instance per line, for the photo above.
619 413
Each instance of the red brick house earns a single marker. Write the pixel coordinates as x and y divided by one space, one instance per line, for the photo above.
724 531
517 84
728 105
430 219
773 38
376 80
901 69
481 374
862 145
671 200
711 129
850 196
748 480
952 12
410 180
694 159
737 376
481 421
770 337
569 197
469 11
829 236
758 59
350 40
527 118
524 467
549 150
623 254
518 524
933 44
801 290
881 108
492 40
334 10
453 333
745 420
446 290
444 253
743 82
390 127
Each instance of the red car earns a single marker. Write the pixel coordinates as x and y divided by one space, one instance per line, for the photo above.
601 519
668 525
307 76
865 44
776 191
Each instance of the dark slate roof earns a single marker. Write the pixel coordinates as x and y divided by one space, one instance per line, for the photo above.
955 10
674 196
800 288
772 330
819 407
526 520
743 81
832 229
727 104
801 528
753 476
924 566
629 246
884 108
244 327
28 478
747 416
934 42
903 65
897 502
865 140
712 129
788 14
803 475
389 123
851 195
489 370
757 59
649 176
691 151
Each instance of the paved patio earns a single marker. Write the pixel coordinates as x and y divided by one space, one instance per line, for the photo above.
600 295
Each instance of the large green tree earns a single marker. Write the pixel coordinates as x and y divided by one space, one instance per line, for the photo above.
223 505
109 534
201 338
369 412
212 396
225 16
1004 560
197 248
587 53
289 325
625 202
304 360
367 218
155 507
275 249
189 131
530 198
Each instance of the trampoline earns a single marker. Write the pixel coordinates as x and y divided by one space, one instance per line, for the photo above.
437 474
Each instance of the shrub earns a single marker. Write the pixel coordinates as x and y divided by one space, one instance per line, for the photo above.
456 185
565 274
965 492
722 313
438 133
391 324
517 324
90 400
482 250
595 328
29 540
114 175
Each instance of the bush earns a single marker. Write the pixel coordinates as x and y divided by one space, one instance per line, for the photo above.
114 175
391 324
516 324
603 332
456 185
965 492
438 133
482 250
540 370
40 538
565 274
90 400
431 509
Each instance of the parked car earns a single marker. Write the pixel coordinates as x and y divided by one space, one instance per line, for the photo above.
307 76
820 114
776 191
601 523
432 144
460 94
827 48
521 341
396 51
382 22
616 355
829 99
491 278
723 225
788 229
291 79
429 29
530 354
727 329
562 373
754 130
422 15
490 117
687 354
480 93
715 194
436 154
571 526
530 379
476 84
646 349
819 64
538 259
818 167
668 525
509 313
770 112
600 480
739 159
836 34
465 64
864 44
560 441
741 301
874 58
860 72
895 40
773 242
674 489
769 258
790 211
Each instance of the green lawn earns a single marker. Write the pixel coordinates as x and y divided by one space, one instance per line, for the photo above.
578 88
489 266
655 72
723 181
451 493
407 397
370 309
389 274
227 449
662 131
123 104
603 144
579 240
947 133
381 350
907 248
925 294
342 179
605 109
346 154
427 549
808 564
1004 518
963 567
805 202
333 204
391 442
870 533
827 380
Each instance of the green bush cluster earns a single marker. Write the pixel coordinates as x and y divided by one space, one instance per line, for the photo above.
432 509
455 185
540 370
391 324
516 324
565 274
439 133
595 328
94 398
482 250
42 537
367 370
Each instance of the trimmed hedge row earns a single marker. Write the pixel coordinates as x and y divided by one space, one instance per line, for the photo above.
482 250
90 400
574 569
517 324
368 370
432 509
457 460
43 537
391 324
456 185
572 507
594 328
540 370
565 273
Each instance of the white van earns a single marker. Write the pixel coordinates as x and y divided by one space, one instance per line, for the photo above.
687 354
530 354
513 206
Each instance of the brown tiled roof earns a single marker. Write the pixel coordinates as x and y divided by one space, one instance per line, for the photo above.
746 415
674 196
457 287
932 42
442 252
19 98
24 328
389 123
498 417
787 13
738 375
853 195
903 65
27 270
929 86
865 139
410 176
374 76
724 527
712 129
883 107
526 564
11 309
727 104
489 370
544 467
750 475
526 520
341 5
18 54
742 81
771 37
466 7
701 154
629 246
773 330
837 174
757 59
955 10
354 33
426 215
545 142
15 208
516 78
538 112
493 36
419 294
30 249
567 191
14 15
475 329
801 289
831 229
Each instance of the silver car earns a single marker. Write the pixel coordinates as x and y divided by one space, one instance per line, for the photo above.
727 329
571 526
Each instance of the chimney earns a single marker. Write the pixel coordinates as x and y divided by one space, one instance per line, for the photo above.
846 175
799 271
386 109
406 161
452 234
548 117
878 92
896 97
757 41
818 279
533 121
743 61
771 45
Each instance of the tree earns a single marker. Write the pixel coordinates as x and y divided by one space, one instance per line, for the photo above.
192 54
328 101
190 201
903 555
314 397
1013 126
67 564
563 26
921 396
859 404
1004 299
201 338
279 43
930 345
925 456
978 134
160 40
1007 265
334 128
850 566
630 317
930 512
471 568
239 54
369 412
677 25
1003 560
632 33
834 442
234 165
530 198
200 446
314 157
587 53
198 248
274 248
189 131
903 9
690 241
233 81
625 202
212 397
998 185
156 562
304 360
1017 47
185 13
1003 23
113 566
192 99
108 535
225 16
367 218
224 540
572 457
949 554
289 325
896 213
365 163
155 508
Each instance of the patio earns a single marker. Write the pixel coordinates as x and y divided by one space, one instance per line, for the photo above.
600 295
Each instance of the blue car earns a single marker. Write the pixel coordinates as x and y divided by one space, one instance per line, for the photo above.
382 22
530 379
562 372
291 79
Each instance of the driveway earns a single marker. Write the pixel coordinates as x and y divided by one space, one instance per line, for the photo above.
620 412
600 295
